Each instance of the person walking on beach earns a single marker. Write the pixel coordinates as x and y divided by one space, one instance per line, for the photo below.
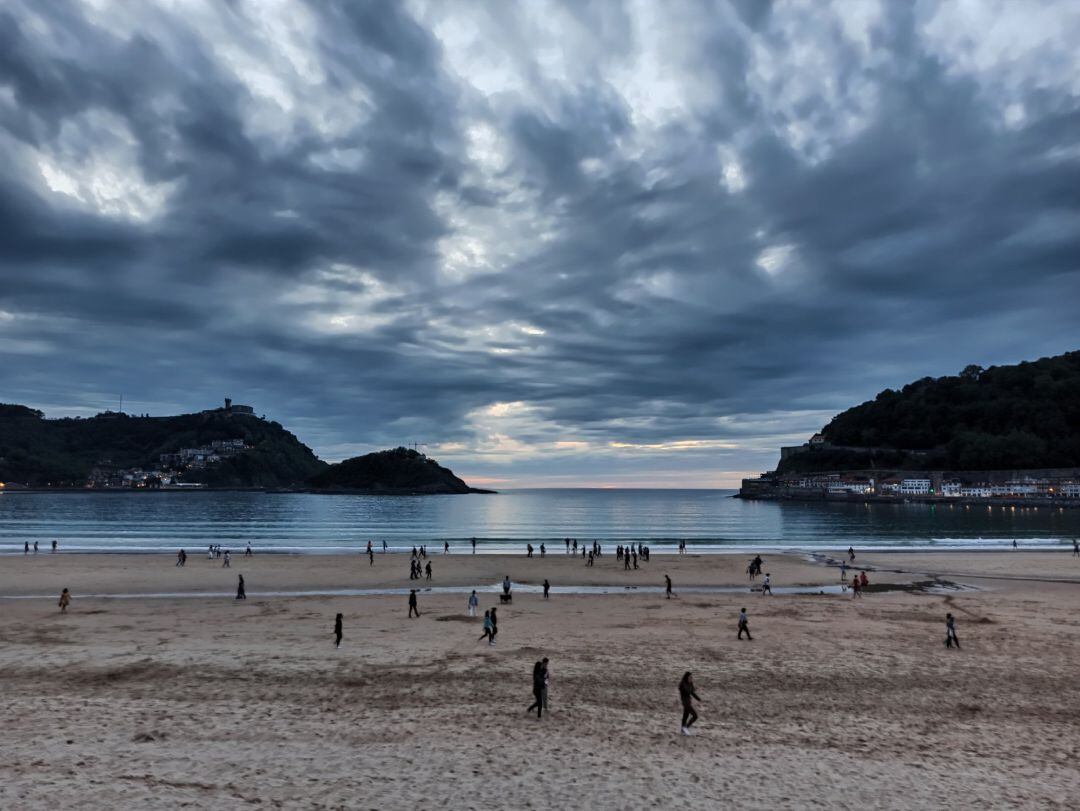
864 581
547 588
543 550
35 547
446 547
950 632
626 561
538 690
474 603
384 547
851 553
494 626
856 588
226 562
667 586
506 584
487 629
54 545
370 556
248 553
766 585
65 601
412 604
474 546
180 558
337 630
428 571
241 593
591 560
686 694
1076 548
26 548
744 625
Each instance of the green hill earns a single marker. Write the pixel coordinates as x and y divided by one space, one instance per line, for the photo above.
395 471
1001 418
40 452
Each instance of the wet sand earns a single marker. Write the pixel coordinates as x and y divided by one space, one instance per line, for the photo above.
209 702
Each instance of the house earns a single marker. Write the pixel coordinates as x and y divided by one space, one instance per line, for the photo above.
1069 490
951 488
915 487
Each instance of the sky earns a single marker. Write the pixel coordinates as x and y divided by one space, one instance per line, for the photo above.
557 243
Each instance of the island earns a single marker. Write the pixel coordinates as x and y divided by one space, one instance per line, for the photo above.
401 471
1006 434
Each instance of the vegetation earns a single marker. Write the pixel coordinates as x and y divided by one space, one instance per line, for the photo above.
41 452
1001 418
395 471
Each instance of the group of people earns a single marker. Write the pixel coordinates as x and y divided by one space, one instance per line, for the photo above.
26 547
754 568
630 553
417 569
529 550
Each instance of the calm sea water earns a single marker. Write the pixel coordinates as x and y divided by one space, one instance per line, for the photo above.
709 520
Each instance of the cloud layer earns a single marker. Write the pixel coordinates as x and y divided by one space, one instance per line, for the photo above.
558 242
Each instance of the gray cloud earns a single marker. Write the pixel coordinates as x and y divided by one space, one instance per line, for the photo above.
559 243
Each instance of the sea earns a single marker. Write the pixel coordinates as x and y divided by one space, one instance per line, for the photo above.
706 520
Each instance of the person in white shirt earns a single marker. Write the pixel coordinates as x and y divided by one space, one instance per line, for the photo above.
474 601
766 585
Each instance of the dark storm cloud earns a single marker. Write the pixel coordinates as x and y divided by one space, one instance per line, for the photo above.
580 240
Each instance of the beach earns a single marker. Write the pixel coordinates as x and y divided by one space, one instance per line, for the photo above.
200 700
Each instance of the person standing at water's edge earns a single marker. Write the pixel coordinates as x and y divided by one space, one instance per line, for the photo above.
686 694
667 586
65 601
474 602
241 593
547 588
412 604
337 630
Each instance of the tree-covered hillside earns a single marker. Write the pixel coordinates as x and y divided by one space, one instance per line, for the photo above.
37 451
394 471
1004 417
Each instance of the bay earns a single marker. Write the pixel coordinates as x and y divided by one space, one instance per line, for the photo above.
707 520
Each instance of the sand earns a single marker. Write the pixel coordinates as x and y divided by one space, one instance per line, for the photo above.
207 702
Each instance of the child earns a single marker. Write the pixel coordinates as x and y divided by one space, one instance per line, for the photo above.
65 601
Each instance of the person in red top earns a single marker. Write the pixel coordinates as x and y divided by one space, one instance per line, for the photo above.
863 582
856 588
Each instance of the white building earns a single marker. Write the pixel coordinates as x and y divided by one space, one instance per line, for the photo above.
1070 490
976 491
915 487
951 489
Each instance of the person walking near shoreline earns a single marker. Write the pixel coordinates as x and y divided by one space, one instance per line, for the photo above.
851 553
950 632
54 545
487 629
766 585
412 604
248 553
1076 548
226 561
241 591
494 626
686 693
474 602
337 630
370 556
667 586
744 625
547 588
538 690
65 601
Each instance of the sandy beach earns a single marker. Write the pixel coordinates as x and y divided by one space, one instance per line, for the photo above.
203 701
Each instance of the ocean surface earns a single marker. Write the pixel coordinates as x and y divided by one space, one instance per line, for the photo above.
708 520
